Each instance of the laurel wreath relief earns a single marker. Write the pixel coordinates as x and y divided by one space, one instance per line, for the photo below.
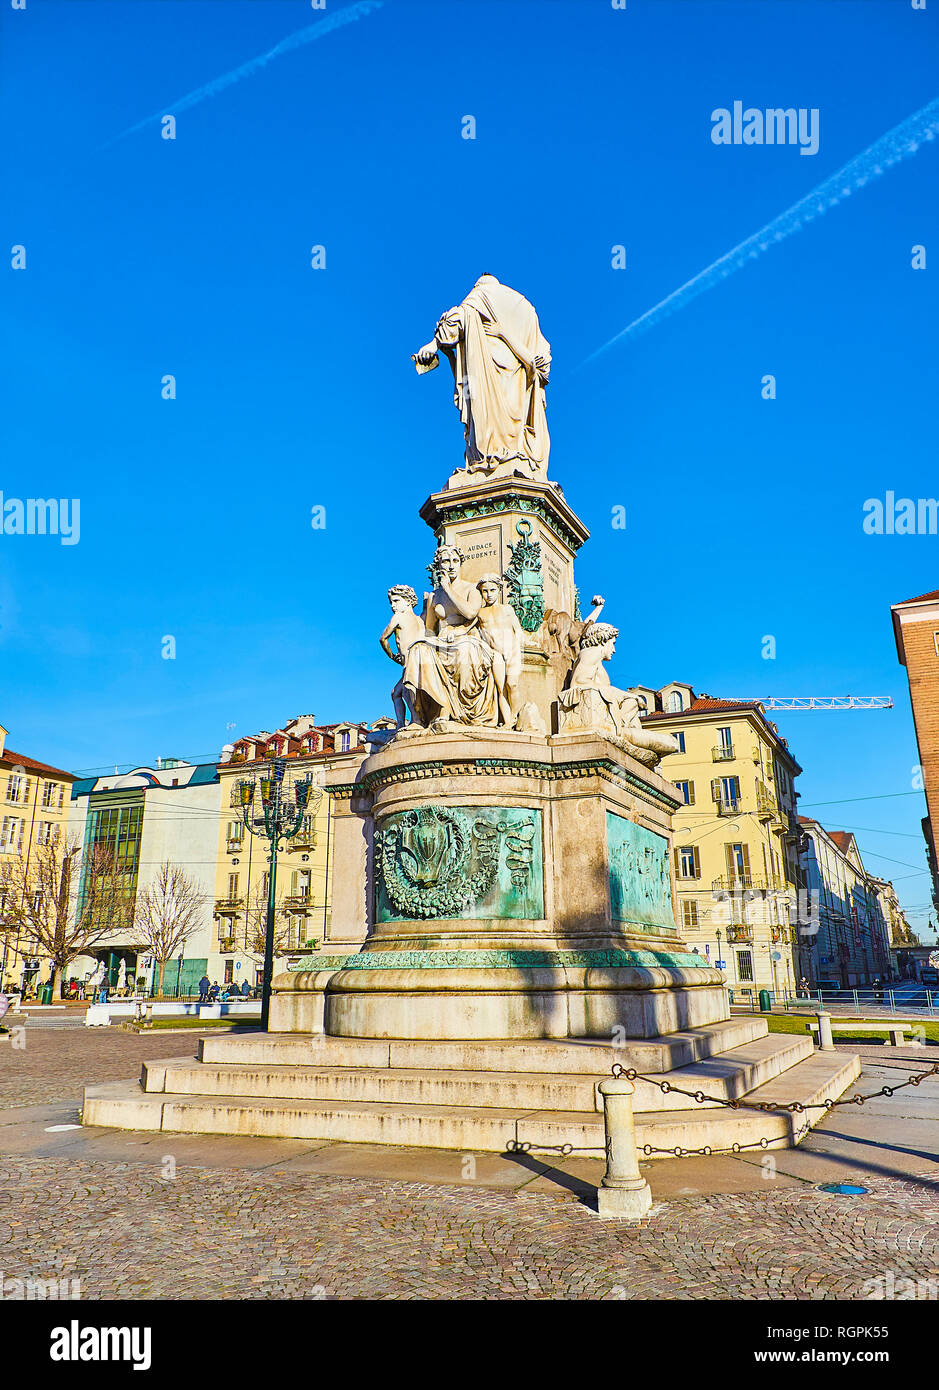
455 889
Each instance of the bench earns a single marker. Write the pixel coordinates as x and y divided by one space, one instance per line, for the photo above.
897 1030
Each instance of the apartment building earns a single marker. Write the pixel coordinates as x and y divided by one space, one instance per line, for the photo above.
852 946
34 802
916 632
737 870
303 916
143 819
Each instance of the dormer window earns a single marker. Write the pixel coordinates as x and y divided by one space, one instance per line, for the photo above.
674 703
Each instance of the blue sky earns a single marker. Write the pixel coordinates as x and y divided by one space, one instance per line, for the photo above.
295 387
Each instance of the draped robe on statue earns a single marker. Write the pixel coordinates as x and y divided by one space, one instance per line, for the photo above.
492 341
450 670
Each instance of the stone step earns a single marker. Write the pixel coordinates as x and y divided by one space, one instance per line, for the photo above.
727 1076
823 1076
473 1128
397 1085
582 1056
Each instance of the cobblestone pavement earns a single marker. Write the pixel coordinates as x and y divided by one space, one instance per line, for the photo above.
56 1064
264 1219
212 1233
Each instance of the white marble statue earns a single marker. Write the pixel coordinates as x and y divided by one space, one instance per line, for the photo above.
449 673
501 628
122 977
406 627
563 633
591 701
500 363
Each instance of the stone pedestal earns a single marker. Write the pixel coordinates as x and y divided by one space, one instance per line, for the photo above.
488 520
511 886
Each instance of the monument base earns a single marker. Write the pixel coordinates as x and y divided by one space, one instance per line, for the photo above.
516 886
363 998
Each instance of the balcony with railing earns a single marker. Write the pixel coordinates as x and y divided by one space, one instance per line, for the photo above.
741 933
740 883
228 904
722 753
297 901
728 806
766 804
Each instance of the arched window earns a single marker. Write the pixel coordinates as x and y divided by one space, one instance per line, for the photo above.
674 704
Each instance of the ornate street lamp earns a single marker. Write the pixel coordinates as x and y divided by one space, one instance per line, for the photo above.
284 803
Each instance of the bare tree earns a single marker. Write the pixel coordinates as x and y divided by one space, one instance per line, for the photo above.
168 913
256 926
64 900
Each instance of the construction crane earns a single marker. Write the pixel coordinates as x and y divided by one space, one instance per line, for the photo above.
792 702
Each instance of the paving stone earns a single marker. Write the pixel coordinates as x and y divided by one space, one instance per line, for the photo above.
283 1219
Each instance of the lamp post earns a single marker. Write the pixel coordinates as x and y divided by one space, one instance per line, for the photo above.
280 819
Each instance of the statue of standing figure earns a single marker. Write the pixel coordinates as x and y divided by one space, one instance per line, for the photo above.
501 362
407 628
501 628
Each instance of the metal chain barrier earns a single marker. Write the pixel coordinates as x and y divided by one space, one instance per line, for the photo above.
519 1146
795 1107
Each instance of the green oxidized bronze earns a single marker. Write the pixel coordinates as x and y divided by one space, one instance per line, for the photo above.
443 861
424 860
501 960
513 502
523 579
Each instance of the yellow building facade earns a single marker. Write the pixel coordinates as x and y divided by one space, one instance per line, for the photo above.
34 809
305 864
736 837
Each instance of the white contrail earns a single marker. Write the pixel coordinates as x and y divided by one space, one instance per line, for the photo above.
901 142
303 36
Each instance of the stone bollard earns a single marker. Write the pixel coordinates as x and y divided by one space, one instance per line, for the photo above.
825 1040
624 1193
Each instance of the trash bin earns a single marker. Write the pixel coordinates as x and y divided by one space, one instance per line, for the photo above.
766 1003
45 996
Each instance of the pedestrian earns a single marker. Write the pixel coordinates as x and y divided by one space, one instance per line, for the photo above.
213 992
245 990
804 987
204 984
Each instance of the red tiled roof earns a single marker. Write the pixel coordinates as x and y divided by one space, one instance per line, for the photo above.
701 704
920 598
31 765
842 838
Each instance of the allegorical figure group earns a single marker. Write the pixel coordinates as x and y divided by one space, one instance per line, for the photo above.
462 658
